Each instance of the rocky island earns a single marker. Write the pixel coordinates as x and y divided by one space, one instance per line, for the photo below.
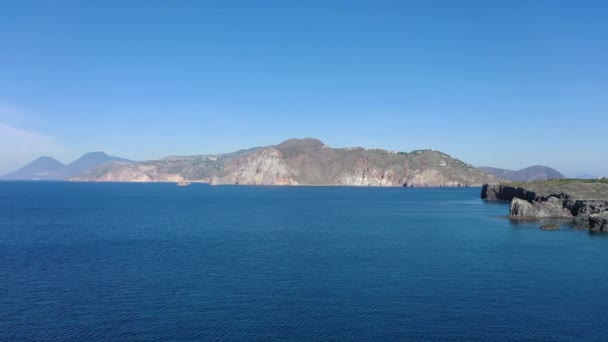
301 162
585 202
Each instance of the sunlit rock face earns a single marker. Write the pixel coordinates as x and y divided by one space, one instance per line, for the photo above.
303 162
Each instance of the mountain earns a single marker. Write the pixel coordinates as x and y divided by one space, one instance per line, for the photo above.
90 161
47 168
529 174
43 168
586 176
302 162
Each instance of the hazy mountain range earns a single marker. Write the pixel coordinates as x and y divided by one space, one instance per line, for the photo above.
47 168
529 174
293 162
586 176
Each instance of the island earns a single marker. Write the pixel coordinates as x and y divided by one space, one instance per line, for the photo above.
297 162
585 202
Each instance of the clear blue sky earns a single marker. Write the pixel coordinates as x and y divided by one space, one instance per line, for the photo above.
501 83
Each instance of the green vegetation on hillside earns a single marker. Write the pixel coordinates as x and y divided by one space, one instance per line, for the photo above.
558 182
575 188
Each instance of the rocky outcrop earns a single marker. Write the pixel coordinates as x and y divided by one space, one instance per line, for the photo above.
543 202
549 226
499 192
553 207
264 167
598 222
304 162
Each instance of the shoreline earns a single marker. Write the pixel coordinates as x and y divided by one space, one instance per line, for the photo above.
569 200
248 185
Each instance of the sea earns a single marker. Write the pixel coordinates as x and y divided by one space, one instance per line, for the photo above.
158 262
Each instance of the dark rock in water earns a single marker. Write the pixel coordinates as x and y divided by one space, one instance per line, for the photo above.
585 203
598 222
586 208
501 192
549 226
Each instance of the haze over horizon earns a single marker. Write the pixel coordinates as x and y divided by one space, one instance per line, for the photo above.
507 85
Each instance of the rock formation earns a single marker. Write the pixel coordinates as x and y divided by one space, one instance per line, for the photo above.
583 202
598 222
549 226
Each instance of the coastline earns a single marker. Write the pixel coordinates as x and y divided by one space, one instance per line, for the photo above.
574 200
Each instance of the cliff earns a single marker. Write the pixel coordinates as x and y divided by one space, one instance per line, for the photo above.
303 162
585 202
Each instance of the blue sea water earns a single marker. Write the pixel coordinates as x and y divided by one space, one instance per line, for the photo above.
86 261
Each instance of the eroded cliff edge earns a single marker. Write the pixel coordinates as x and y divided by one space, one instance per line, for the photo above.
585 202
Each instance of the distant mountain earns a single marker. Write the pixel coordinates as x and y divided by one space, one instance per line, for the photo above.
47 168
302 162
43 168
89 162
529 174
586 176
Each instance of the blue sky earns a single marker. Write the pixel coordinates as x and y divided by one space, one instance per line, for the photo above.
500 83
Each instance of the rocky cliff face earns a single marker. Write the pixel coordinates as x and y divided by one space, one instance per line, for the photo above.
548 201
553 207
310 162
264 167
305 162
598 222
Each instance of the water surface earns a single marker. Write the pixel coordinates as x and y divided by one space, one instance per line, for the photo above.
160 262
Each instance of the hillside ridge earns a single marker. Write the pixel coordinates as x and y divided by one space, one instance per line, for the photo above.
305 161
